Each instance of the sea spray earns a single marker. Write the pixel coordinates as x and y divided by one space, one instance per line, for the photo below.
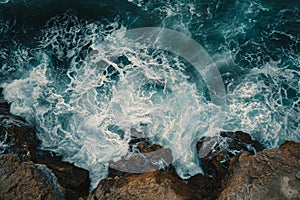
85 88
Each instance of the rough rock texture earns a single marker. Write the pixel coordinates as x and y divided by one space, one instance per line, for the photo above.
146 186
205 187
5 116
271 174
143 162
74 180
215 154
20 140
27 180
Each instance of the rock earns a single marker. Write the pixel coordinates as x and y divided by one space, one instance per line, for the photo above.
241 141
270 174
205 187
16 136
20 140
146 186
6 118
216 152
8 165
27 180
74 180
151 157
298 175
4 106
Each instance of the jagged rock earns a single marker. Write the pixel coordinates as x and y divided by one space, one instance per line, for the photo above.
20 140
151 157
216 152
205 187
146 186
8 165
270 174
5 116
74 180
27 180
4 106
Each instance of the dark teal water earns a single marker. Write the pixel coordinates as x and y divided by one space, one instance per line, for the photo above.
66 67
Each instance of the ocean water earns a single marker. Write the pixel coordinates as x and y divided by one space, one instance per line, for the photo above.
70 70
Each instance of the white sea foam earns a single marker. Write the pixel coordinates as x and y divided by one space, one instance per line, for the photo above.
266 105
87 116
86 109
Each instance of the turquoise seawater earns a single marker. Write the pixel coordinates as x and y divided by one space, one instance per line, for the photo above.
66 67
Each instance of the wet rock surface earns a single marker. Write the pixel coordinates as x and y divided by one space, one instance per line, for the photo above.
27 180
235 166
74 180
20 150
19 140
5 116
142 161
205 187
215 154
271 174
147 186
22 142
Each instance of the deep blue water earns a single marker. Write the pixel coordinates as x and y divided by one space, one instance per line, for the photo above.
68 69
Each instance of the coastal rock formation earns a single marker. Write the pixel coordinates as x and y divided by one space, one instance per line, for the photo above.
270 174
235 166
146 186
74 180
144 161
253 173
215 154
27 180
20 140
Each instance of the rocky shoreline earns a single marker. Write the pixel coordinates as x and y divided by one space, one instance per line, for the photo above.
242 170
29 173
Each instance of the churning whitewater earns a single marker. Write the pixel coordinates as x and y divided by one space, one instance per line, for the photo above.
87 89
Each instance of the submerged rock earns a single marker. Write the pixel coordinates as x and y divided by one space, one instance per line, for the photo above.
27 180
146 186
270 174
